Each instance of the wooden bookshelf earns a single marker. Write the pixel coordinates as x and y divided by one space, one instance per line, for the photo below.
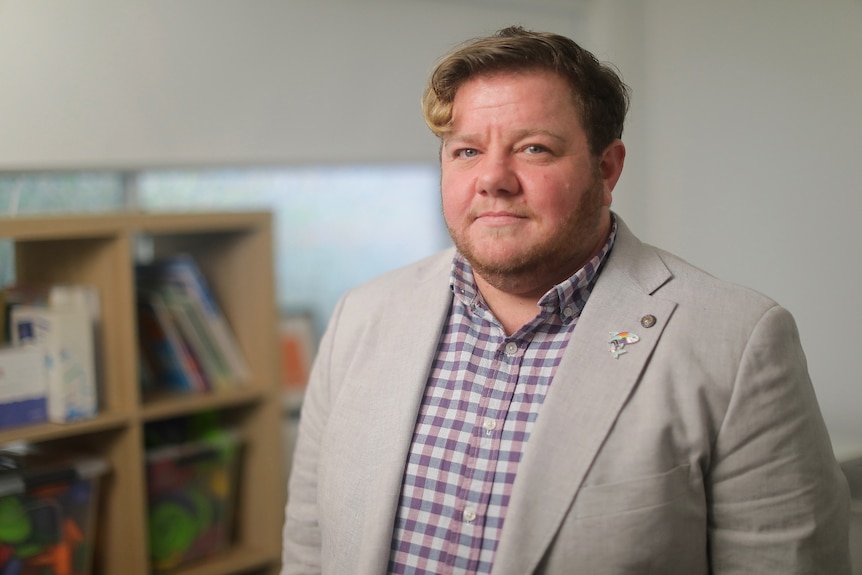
235 252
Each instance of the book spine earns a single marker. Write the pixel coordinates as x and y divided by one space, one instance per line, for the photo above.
198 337
191 367
163 351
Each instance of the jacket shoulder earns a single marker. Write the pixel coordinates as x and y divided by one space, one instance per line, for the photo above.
690 284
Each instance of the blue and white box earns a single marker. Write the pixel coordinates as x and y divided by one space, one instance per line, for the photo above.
23 386
66 338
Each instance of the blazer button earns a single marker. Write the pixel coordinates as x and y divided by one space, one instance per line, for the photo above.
648 320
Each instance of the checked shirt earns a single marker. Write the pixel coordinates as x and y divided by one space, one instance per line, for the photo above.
481 401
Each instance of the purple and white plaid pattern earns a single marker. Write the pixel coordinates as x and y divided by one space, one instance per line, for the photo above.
481 401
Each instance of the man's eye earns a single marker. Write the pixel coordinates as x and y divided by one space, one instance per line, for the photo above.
535 149
466 153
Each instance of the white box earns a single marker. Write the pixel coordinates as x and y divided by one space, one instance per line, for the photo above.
23 386
66 336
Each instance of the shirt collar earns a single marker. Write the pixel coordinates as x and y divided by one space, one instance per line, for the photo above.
566 299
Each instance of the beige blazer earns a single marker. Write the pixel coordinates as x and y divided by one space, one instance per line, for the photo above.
700 450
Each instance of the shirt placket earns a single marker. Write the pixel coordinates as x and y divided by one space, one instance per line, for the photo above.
475 487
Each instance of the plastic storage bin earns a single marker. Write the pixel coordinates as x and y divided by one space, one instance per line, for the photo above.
48 514
191 489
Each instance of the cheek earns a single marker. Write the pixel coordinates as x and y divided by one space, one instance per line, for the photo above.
557 198
565 194
455 215
454 196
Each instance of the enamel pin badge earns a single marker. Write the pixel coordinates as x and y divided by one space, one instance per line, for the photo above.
619 340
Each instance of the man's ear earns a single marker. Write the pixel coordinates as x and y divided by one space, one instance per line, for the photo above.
611 167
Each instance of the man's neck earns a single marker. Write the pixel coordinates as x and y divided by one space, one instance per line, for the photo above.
512 310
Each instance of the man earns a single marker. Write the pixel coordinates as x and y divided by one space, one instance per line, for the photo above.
553 396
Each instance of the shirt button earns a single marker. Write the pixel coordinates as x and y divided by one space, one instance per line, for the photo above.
490 425
511 348
568 311
469 515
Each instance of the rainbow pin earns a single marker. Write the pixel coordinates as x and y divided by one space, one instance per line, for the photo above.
619 340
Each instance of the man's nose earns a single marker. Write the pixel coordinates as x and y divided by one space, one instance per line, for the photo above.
497 176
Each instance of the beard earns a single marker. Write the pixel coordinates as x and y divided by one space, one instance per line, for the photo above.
534 269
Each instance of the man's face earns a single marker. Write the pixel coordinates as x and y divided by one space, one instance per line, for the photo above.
524 200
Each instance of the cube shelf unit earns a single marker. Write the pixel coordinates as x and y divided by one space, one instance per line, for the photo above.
235 252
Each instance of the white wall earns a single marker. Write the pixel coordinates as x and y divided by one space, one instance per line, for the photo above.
101 83
748 133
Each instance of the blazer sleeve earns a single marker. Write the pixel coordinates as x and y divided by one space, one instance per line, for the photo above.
302 542
778 501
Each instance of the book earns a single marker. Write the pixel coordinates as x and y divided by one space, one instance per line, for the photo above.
66 338
297 348
167 360
197 335
182 271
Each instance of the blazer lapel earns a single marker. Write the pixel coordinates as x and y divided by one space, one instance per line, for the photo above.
590 388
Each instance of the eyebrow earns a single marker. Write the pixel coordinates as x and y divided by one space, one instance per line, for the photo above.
520 135
540 132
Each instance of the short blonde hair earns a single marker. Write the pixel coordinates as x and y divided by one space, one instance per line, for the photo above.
600 95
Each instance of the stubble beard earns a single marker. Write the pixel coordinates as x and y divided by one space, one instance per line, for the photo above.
537 268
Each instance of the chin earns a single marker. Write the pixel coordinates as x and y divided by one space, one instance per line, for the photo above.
509 261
